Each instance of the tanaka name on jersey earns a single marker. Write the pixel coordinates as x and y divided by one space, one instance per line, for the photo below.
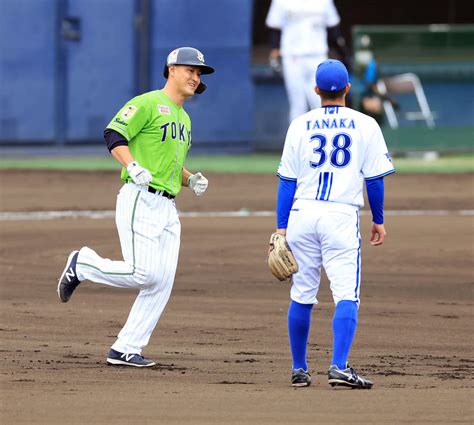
330 123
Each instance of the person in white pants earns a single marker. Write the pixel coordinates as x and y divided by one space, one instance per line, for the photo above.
300 31
328 154
150 137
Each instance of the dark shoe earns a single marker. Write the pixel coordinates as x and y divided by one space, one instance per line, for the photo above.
115 358
300 378
347 378
68 281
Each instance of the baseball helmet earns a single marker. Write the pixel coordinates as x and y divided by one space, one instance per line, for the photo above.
188 56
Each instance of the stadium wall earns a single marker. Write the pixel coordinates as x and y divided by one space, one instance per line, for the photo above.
66 66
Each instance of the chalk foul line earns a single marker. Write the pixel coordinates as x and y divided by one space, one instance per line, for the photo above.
108 214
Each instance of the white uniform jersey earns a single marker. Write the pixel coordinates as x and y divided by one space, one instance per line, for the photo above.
303 24
330 150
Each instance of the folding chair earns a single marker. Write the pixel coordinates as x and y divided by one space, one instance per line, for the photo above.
402 84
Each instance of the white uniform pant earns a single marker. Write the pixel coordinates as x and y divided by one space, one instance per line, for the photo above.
325 234
149 231
299 74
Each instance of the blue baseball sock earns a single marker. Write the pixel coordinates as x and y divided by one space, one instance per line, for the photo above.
344 325
299 319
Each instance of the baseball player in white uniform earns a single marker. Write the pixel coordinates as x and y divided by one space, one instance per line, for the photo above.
328 153
302 29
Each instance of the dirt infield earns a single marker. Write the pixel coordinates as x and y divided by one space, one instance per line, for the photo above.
221 346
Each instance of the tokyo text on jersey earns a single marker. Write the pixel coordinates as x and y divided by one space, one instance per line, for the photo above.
149 118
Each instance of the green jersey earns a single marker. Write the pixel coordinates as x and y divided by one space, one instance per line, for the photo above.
159 137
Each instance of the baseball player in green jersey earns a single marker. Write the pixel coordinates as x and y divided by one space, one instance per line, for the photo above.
150 137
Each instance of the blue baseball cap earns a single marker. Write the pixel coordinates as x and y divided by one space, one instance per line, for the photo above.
331 75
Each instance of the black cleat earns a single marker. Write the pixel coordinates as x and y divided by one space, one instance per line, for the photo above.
347 378
68 281
115 358
300 378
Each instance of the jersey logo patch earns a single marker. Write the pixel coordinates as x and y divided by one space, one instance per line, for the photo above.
128 112
163 109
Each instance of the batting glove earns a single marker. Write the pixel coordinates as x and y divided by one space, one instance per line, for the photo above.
275 65
198 183
139 174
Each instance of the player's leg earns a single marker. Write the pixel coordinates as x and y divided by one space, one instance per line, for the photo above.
295 85
86 264
342 262
137 227
305 244
299 321
309 68
152 299
304 289
344 325
341 259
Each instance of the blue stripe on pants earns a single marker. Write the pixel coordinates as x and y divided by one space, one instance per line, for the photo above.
358 259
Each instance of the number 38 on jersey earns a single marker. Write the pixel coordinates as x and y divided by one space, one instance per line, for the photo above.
337 153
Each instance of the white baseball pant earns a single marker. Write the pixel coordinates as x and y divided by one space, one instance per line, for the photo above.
325 234
149 231
299 74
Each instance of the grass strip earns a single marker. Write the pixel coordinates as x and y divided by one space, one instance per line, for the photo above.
255 163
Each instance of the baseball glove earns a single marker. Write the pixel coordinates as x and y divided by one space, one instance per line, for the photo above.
281 261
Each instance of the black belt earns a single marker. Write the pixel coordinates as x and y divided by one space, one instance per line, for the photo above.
161 192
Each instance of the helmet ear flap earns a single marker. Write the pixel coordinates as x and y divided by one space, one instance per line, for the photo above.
200 88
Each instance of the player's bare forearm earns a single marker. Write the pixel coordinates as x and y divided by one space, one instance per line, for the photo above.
274 53
377 235
123 155
186 175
